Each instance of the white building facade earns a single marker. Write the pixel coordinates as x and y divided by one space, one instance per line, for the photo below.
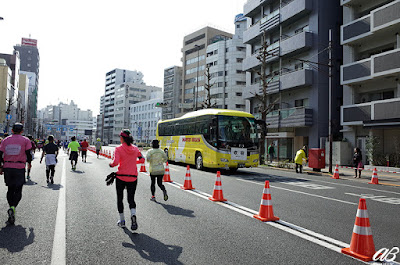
143 119
224 59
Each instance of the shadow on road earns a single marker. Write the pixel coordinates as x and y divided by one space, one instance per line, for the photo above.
78 171
15 238
153 250
175 210
53 186
30 183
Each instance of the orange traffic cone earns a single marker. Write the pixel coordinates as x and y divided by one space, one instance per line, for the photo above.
167 176
143 168
336 174
113 156
362 244
217 193
374 179
266 211
187 185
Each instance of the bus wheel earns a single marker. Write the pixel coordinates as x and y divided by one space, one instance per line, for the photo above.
199 161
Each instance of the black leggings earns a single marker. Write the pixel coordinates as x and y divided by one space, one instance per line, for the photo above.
131 189
52 169
14 195
159 183
300 167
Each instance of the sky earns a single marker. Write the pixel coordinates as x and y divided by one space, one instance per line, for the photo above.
80 41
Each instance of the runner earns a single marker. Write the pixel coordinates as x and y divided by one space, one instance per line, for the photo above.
156 158
51 152
125 156
98 147
16 150
73 156
32 151
84 148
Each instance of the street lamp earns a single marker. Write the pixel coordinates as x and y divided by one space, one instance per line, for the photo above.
197 78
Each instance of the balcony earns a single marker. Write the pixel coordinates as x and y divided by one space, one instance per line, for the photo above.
356 29
267 23
295 9
379 65
256 88
250 63
382 21
290 118
374 113
297 43
252 33
296 79
252 6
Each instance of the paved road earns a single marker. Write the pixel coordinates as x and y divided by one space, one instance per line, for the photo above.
74 220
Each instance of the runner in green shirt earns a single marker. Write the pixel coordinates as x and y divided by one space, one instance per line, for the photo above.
73 146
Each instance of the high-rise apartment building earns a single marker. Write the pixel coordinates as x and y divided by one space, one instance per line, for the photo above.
29 56
370 77
113 79
224 59
297 34
172 91
126 95
194 62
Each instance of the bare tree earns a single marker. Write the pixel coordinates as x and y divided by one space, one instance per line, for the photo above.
207 86
266 106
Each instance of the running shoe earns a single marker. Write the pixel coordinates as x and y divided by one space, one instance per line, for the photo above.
153 198
165 195
11 216
121 223
134 225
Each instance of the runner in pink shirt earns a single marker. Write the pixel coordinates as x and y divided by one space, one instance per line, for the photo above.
14 154
125 156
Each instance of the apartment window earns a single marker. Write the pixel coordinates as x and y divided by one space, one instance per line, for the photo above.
239 60
239 72
298 66
226 61
241 83
226 50
238 94
301 102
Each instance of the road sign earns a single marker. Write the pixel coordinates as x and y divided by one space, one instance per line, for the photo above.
8 116
71 129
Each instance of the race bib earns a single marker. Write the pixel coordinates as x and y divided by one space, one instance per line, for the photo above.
13 149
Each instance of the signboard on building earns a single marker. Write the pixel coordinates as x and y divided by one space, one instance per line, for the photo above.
29 42
88 132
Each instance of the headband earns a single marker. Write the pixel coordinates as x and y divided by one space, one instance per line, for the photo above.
123 134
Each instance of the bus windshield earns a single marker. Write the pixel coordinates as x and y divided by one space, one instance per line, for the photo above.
237 132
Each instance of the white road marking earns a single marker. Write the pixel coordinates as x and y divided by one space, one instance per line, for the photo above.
301 192
384 199
335 183
301 232
58 255
307 185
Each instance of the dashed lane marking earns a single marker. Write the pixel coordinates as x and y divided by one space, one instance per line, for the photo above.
301 192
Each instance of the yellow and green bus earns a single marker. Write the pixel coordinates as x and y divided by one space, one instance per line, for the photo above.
212 138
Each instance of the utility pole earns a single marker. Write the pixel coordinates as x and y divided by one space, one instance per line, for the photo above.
330 100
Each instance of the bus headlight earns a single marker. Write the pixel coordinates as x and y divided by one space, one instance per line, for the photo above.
224 160
255 160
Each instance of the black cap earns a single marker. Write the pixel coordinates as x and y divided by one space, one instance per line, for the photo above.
17 127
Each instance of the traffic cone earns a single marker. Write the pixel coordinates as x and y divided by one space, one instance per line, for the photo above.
362 244
266 210
336 174
167 176
374 179
217 193
187 185
143 168
113 156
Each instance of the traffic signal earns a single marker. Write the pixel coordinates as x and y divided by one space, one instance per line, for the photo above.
161 104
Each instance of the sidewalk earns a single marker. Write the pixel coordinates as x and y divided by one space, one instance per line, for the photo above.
385 178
